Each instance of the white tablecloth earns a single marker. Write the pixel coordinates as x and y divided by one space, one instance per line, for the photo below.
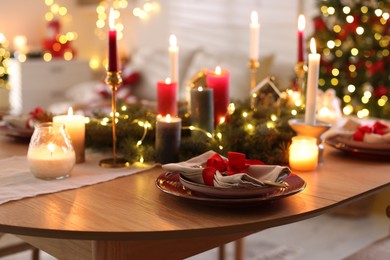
16 181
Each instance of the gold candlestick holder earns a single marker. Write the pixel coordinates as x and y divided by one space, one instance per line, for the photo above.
253 66
113 79
300 71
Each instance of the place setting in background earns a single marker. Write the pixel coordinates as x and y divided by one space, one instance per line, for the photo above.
369 138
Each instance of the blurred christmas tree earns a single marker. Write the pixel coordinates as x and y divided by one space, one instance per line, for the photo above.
353 37
4 58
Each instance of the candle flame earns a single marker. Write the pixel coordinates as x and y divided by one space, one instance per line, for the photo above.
168 118
200 88
50 147
70 111
218 70
172 40
168 81
112 19
313 48
254 17
301 22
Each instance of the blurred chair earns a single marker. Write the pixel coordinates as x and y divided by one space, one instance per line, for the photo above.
17 247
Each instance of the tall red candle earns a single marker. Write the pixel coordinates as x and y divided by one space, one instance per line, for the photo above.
112 48
167 97
301 28
219 80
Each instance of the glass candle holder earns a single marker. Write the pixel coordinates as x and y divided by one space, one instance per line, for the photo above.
50 153
303 153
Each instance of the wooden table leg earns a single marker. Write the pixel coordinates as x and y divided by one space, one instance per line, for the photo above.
222 253
239 249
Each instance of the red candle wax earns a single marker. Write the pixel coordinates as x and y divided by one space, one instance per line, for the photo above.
167 98
301 28
218 80
112 48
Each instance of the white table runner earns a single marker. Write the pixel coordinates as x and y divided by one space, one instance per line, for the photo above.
16 181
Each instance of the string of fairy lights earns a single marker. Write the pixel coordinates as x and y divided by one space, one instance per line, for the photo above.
216 136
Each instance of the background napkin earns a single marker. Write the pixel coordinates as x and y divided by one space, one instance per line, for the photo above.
254 175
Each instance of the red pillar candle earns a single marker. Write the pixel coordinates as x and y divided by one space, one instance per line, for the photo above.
167 97
218 80
112 48
301 28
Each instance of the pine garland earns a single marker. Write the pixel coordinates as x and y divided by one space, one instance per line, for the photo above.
256 134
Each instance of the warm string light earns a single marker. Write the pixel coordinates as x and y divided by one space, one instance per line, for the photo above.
365 102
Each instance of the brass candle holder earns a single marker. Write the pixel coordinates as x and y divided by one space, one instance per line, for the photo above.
253 66
300 71
113 79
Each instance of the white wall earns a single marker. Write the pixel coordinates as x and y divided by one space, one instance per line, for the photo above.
214 25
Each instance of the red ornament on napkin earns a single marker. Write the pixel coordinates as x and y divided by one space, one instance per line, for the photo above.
377 128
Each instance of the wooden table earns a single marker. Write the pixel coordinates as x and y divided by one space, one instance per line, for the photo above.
129 218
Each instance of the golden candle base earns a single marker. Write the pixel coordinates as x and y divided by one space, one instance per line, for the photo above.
253 66
113 79
114 163
300 72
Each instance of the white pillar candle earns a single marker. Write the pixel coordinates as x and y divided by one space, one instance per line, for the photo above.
312 84
254 27
303 153
75 126
51 161
174 59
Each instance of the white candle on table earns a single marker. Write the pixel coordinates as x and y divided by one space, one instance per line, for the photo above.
51 161
75 127
303 154
312 84
174 58
254 36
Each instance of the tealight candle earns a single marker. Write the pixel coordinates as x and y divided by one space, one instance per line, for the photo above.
202 110
75 126
50 154
303 153
168 137
219 80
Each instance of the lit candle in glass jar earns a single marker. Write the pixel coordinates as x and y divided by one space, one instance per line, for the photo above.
303 153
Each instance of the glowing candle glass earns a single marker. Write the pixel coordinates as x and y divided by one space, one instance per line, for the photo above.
303 153
50 153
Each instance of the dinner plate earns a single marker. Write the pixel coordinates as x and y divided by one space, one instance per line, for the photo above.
169 183
357 151
225 192
18 133
363 145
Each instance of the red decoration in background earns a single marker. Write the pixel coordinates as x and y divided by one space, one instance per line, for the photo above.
377 128
51 43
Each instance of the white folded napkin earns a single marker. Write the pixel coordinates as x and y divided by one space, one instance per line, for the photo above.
347 127
253 177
